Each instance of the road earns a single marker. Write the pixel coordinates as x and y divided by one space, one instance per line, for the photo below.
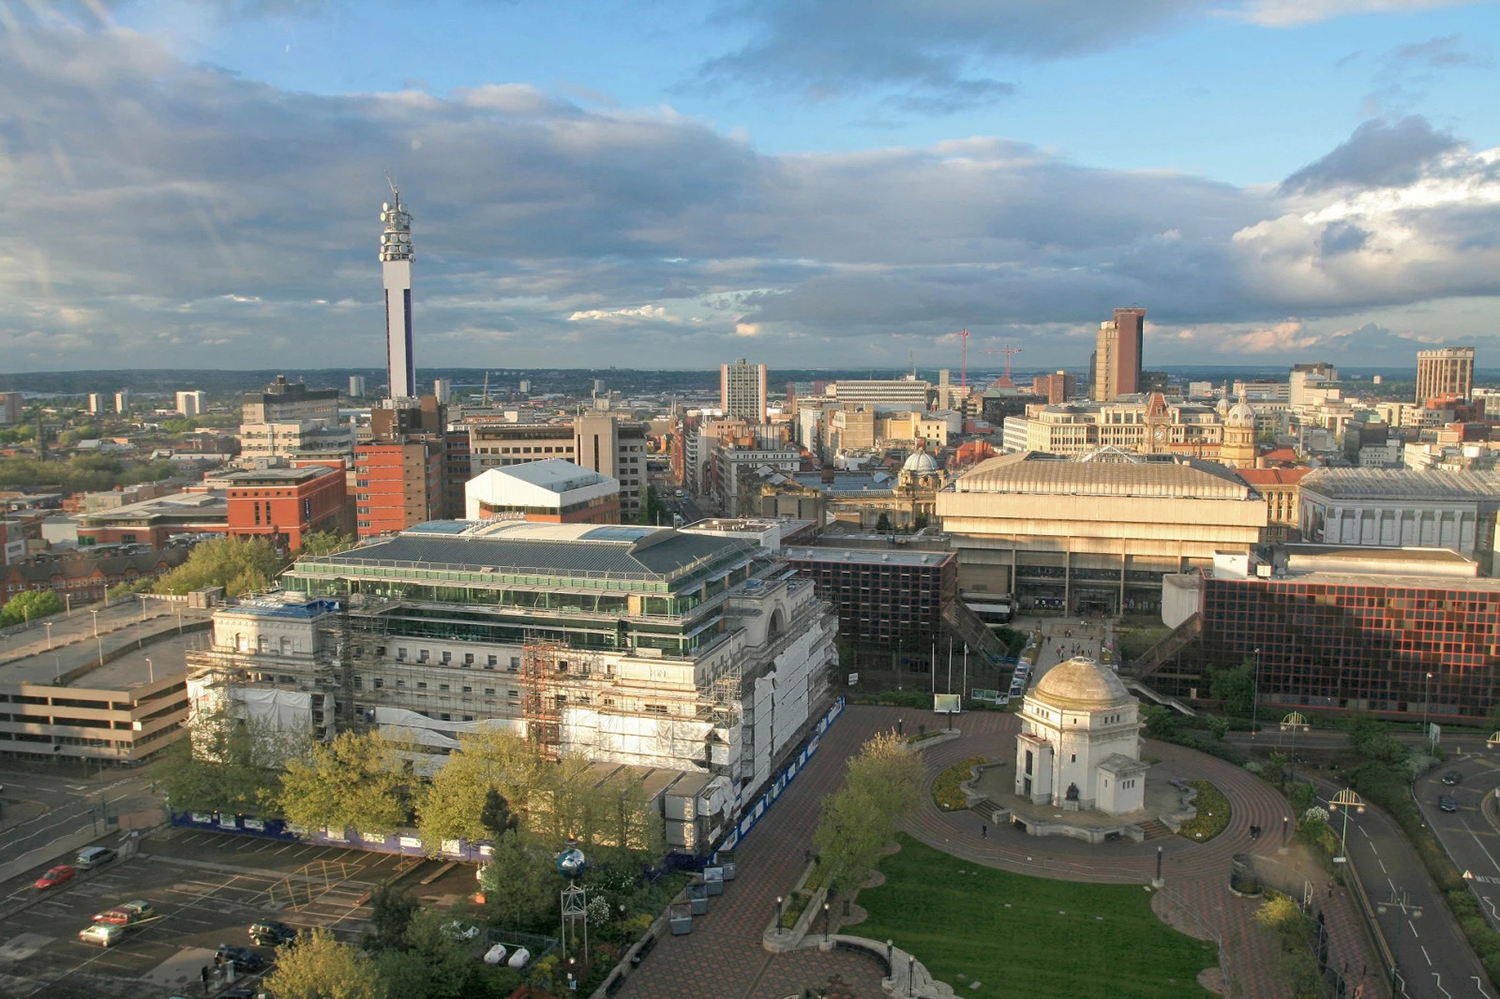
1433 958
69 797
1470 834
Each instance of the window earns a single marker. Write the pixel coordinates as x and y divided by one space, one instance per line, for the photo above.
512 694
492 660
515 663
400 683
468 690
401 654
1074 759
379 682
421 685
468 659
489 692
423 656
442 686
447 658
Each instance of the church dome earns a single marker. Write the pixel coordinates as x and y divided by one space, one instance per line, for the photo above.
1081 683
1223 407
1242 415
920 463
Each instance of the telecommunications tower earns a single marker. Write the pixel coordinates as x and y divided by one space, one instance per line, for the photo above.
395 266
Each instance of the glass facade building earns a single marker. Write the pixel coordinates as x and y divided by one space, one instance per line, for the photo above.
1334 640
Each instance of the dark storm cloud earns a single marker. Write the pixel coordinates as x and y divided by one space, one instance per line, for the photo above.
172 214
1378 154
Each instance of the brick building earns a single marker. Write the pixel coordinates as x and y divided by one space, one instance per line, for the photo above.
283 504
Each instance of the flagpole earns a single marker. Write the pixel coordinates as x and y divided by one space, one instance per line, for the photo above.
964 690
950 664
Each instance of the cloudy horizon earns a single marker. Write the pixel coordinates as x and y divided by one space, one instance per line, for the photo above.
806 184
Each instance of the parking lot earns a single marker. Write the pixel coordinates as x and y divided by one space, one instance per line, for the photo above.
207 889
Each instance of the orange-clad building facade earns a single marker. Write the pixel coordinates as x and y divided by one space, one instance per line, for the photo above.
284 504
397 485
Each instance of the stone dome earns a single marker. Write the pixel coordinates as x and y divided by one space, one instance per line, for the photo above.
920 463
1223 406
1081 684
1242 415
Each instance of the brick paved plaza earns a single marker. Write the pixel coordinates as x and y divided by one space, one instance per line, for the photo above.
723 956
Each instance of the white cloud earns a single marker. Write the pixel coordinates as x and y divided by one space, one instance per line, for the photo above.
1290 13
643 312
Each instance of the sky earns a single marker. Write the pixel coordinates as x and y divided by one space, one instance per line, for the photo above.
805 183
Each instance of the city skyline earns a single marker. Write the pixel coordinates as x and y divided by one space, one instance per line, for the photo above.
189 200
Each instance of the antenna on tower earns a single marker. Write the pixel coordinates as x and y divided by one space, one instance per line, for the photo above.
394 192
911 362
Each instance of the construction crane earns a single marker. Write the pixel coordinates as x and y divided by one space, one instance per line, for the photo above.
1005 382
963 368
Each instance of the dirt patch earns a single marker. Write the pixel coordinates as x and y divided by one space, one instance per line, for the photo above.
1212 979
875 880
857 915
890 848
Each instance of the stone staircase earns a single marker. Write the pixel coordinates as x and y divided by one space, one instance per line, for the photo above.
1155 829
1165 650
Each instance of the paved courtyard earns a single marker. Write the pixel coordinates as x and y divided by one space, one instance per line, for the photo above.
723 956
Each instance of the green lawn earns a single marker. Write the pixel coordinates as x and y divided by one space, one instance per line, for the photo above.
1057 940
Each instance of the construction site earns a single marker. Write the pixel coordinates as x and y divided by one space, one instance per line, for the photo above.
649 649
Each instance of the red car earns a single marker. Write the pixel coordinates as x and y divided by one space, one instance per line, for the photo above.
55 877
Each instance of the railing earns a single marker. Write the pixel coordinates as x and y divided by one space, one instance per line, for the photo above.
1155 657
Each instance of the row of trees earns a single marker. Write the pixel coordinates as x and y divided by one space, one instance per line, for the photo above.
882 787
494 783
241 565
32 605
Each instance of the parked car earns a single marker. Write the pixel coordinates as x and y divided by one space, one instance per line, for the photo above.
244 958
1452 777
55 877
141 908
103 934
496 954
92 857
127 914
272 934
1447 804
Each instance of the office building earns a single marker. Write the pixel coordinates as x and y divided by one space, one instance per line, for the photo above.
289 421
191 404
398 484
442 390
1282 489
12 408
1093 536
285 504
1145 426
742 391
1117 356
356 386
893 597
157 521
548 491
1406 632
122 401
395 270
290 402
629 645
98 402
1447 371
1058 387
599 442
1312 384
1370 507
882 395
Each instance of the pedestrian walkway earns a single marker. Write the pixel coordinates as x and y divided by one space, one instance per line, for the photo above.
723 958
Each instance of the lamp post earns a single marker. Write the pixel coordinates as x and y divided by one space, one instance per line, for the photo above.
776 922
94 611
49 635
827 918
150 672
1401 900
1346 799
1426 688
1255 695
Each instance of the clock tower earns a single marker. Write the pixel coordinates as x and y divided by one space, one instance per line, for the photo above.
1158 425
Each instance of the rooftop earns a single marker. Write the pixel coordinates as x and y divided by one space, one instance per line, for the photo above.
867 556
208 505
1036 472
555 474
1272 476
1401 483
521 547
277 476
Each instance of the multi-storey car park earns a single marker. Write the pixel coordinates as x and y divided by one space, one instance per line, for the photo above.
630 645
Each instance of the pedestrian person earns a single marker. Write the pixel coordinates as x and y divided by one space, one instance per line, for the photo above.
984 831
204 975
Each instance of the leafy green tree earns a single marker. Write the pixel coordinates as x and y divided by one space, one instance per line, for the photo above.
1495 717
430 965
354 782
226 764
1161 723
32 605
320 967
1218 727
883 522
496 816
237 564
519 885
452 806
391 910
1235 687
324 543
881 788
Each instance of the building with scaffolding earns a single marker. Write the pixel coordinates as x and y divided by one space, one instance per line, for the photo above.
628 645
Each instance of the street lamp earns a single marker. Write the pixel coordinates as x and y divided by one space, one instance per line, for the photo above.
95 611
1348 799
1426 687
1400 899
150 672
827 916
1255 696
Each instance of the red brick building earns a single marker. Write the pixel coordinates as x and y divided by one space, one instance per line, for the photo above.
283 504
397 485
83 578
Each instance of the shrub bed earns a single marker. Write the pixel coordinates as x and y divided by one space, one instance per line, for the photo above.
945 789
1213 813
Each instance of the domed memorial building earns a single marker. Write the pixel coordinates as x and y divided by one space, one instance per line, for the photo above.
1079 747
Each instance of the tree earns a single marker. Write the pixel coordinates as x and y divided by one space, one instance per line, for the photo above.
495 816
881 788
32 605
519 885
320 967
883 523
1235 687
354 782
324 543
1495 717
430 965
226 764
452 806
391 910
1161 723
237 564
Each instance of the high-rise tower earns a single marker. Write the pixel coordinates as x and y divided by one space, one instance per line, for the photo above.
1117 360
395 266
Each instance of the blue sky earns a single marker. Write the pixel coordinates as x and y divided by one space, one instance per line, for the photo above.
805 181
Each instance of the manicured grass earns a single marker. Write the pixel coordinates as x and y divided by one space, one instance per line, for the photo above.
945 789
1213 813
1057 940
